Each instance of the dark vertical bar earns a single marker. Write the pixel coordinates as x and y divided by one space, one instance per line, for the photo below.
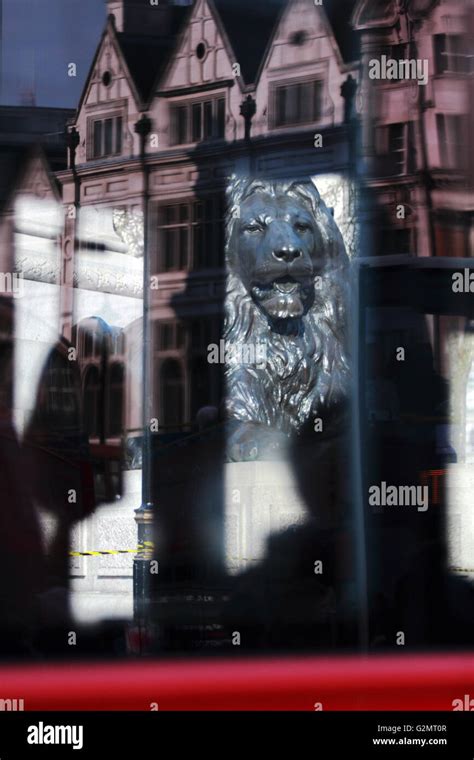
358 448
144 514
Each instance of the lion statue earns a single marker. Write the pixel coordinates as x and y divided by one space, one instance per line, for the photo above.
285 313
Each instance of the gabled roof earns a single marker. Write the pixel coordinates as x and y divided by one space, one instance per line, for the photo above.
28 132
147 55
249 25
14 164
339 13
144 56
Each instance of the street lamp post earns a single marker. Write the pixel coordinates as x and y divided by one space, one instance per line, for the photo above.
144 514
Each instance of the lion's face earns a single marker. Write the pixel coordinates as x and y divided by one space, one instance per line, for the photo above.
279 253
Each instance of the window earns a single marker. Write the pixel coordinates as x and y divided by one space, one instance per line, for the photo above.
88 344
452 54
298 103
115 400
394 240
174 227
117 342
453 147
92 402
395 144
452 239
169 336
62 392
191 235
195 122
172 394
107 137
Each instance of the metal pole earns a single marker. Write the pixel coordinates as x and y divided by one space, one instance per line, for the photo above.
144 514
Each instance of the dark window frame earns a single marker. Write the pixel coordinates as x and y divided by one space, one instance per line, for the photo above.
452 135
105 135
198 120
195 223
290 106
451 54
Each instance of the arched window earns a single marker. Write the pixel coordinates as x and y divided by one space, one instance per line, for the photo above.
88 343
172 393
92 409
115 400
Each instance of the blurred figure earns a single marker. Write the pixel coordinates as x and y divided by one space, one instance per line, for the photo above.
22 561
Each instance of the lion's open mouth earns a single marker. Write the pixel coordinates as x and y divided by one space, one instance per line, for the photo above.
282 298
286 285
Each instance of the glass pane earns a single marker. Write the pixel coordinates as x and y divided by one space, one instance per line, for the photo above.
118 134
183 248
182 125
317 99
108 124
291 110
301 92
220 132
169 252
97 139
306 102
442 139
179 123
197 122
281 106
169 214
197 212
440 53
207 119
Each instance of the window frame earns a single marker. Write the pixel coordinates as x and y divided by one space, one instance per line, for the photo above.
116 135
451 153
209 229
278 86
457 61
385 153
190 109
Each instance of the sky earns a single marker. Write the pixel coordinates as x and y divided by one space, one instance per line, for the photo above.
39 39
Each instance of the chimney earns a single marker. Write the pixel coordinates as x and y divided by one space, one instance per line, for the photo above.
144 16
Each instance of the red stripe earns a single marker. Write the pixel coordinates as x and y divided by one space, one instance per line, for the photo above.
350 683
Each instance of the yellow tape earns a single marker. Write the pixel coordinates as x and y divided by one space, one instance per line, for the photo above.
148 544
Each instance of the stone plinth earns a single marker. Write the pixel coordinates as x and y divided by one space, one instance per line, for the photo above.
261 498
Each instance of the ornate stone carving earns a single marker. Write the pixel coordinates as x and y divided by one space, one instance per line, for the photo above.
129 227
